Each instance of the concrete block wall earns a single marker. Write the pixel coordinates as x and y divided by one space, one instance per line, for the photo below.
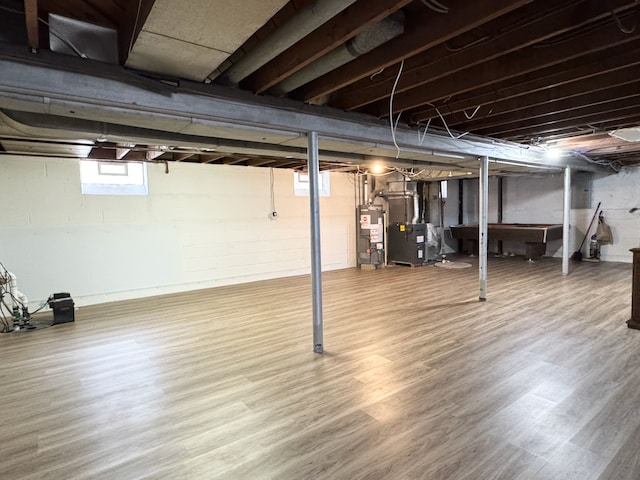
539 199
200 226
619 193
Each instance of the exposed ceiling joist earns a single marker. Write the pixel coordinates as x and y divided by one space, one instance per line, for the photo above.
210 158
102 154
179 157
468 15
122 152
133 18
596 89
335 32
107 13
31 20
613 60
505 67
552 107
564 66
586 115
543 26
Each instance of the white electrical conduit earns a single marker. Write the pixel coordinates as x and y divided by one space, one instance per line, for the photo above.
290 33
435 6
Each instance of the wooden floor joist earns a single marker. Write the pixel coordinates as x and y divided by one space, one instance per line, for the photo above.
419 381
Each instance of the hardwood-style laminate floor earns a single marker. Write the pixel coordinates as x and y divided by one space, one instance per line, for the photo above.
419 381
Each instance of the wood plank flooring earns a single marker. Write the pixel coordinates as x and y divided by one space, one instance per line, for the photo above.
419 381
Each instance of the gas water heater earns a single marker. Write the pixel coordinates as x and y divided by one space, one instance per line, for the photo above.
370 235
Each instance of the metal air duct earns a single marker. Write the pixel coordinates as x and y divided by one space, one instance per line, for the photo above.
364 42
291 32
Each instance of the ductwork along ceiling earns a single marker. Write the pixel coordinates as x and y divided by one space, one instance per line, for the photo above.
520 75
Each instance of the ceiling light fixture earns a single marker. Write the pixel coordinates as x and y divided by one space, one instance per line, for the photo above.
631 134
554 153
377 168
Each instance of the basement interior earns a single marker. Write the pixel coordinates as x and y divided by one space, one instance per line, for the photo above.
291 239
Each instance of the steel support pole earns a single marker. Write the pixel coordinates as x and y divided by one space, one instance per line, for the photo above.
500 208
316 264
565 221
482 224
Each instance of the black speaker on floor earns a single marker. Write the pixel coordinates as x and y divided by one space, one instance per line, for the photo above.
63 308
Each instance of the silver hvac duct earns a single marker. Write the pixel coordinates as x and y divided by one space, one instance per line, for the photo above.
406 194
365 41
291 32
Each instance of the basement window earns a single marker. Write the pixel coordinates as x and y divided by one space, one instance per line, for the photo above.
113 178
301 184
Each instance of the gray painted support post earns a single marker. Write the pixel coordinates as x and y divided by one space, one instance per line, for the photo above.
482 225
565 221
316 264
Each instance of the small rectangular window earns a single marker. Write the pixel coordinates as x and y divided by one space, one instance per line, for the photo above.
301 184
113 178
112 168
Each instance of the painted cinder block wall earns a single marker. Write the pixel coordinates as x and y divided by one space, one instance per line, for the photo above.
200 226
539 199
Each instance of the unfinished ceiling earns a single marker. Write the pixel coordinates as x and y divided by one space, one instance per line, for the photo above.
539 73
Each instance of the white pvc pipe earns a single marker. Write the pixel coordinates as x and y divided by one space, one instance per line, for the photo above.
19 299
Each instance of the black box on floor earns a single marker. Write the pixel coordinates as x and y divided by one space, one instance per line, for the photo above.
63 308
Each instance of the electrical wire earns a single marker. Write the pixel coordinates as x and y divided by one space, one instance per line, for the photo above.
435 6
464 47
408 173
424 135
7 291
5 322
44 304
135 26
622 28
375 74
4 273
469 117
3 291
610 164
444 122
12 10
391 122
439 5
66 41
382 174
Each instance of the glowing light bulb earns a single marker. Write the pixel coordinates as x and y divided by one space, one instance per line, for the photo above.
554 153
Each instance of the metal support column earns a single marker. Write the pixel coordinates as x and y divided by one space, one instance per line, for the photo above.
565 221
460 211
483 227
316 264
500 208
